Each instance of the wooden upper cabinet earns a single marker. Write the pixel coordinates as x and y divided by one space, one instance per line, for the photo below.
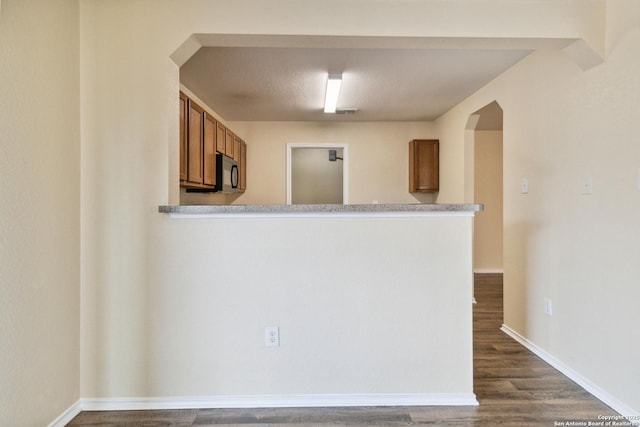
201 138
236 148
195 146
183 136
243 167
424 172
229 143
209 159
221 133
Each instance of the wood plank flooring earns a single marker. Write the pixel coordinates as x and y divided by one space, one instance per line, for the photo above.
514 388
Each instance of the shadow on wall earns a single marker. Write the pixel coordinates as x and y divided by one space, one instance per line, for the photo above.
425 197
516 277
315 179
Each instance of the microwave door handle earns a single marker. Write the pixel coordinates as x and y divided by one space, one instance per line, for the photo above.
234 176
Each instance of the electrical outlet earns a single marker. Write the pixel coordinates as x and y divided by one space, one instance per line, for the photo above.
548 307
524 185
271 336
587 189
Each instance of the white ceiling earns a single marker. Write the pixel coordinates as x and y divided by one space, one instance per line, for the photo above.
287 82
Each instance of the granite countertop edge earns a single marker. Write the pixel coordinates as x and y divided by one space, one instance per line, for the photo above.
318 209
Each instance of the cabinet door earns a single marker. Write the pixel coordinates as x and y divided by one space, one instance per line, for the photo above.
183 137
221 133
243 166
424 170
236 148
194 165
229 143
209 160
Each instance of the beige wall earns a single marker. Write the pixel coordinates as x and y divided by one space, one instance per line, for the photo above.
315 179
556 119
487 249
560 124
378 164
39 211
129 89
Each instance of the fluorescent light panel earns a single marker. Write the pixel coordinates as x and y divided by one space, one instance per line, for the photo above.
334 81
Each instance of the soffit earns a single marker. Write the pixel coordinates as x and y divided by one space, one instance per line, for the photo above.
282 78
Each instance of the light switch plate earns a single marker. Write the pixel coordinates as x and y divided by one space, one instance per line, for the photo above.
524 185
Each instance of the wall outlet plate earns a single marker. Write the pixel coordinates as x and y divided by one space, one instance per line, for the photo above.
271 336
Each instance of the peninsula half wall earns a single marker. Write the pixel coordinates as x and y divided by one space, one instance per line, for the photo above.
373 304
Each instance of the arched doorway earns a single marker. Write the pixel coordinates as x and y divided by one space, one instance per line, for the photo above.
483 184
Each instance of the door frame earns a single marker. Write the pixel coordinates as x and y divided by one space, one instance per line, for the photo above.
328 146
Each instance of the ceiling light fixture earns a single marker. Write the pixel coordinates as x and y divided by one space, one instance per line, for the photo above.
334 81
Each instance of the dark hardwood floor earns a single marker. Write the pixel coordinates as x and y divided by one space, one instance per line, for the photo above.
514 388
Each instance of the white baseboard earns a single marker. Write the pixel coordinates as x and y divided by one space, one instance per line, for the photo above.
488 270
606 398
67 415
295 401
266 401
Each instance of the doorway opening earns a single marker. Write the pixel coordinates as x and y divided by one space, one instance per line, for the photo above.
317 173
484 184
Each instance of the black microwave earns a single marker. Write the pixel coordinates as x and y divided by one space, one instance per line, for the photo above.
227 176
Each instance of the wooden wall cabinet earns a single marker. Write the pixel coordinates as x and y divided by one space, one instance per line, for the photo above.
201 138
209 156
424 169
197 145
229 143
242 165
236 148
239 155
183 137
221 134
194 144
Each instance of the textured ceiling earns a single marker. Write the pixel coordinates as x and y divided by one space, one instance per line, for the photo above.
384 84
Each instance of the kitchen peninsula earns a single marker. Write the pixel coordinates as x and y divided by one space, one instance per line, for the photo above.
373 303
381 209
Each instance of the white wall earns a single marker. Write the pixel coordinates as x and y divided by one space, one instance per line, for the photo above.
560 124
356 314
39 211
487 231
